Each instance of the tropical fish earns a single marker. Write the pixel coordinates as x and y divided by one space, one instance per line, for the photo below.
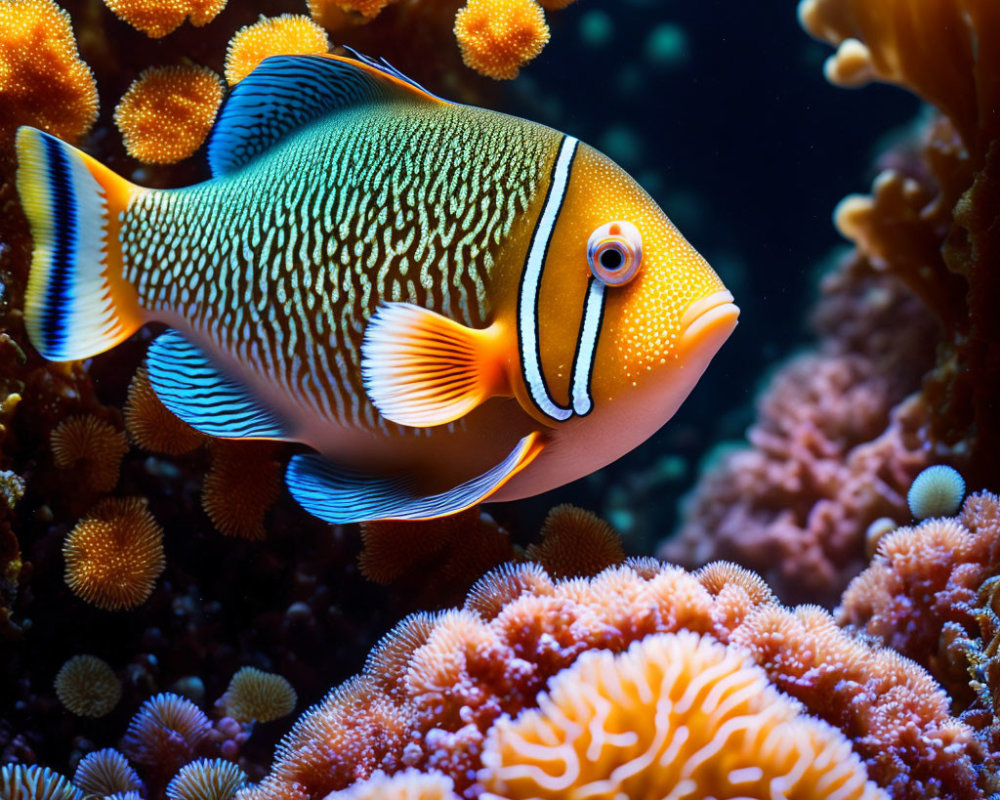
445 303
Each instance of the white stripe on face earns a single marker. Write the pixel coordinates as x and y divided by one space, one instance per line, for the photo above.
527 303
583 363
527 310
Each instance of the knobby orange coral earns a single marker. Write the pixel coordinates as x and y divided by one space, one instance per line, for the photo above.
92 447
115 554
151 424
43 82
498 37
675 715
433 691
167 112
87 686
576 543
157 18
242 484
289 34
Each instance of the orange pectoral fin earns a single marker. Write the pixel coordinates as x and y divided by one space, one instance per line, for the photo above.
422 369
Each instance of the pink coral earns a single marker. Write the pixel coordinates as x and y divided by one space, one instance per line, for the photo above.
434 690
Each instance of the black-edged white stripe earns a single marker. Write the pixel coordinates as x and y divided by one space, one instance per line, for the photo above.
583 361
527 308
531 281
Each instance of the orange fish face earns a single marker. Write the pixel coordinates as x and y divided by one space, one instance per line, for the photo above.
627 316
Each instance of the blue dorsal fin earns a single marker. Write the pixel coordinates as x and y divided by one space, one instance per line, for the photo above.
194 389
285 92
338 495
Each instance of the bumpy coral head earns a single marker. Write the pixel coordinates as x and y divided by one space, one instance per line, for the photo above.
618 317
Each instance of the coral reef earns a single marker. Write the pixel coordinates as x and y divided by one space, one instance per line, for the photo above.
115 554
105 772
498 37
288 34
157 18
936 492
926 237
39 59
20 782
87 686
168 112
92 448
673 714
257 696
205 779
434 689
237 498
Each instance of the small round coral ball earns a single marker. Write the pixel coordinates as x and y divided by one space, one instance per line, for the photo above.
936 492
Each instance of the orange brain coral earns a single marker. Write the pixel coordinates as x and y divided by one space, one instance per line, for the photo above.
115 554
289 34
43 82
168 112
93 447
677 715
498 37
157 18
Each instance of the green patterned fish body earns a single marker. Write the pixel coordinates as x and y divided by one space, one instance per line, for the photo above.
443 302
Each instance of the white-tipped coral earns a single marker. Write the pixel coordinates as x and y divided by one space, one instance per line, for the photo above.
936 492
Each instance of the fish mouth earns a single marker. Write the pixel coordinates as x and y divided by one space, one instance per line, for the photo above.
713 314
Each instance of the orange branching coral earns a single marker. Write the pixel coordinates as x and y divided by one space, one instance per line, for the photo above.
92 448
157 18
242 484
891 701
676 714
576 543
43 82
888 41
115 554
926 580
407 785
948 54
87 686
167 112
498 37
254 695
289 34
432 694
151 424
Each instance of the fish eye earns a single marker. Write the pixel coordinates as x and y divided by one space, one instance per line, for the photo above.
614 253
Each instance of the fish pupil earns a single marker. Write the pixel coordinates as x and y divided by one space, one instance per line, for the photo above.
611 259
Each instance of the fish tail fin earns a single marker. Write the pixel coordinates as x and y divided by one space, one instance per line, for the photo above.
78 303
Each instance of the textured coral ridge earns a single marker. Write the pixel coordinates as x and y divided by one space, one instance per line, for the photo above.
677 714
440 691
922 591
